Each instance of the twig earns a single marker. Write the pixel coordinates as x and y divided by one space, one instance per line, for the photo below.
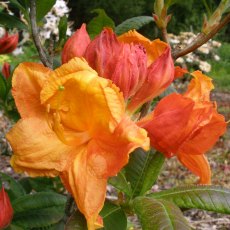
35 35
165 35
200 39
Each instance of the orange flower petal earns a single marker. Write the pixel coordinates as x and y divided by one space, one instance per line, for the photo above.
31 77
203 137
153 49
179 72
82 178
197 164
96 99
200 87
37 150
101 158
167 128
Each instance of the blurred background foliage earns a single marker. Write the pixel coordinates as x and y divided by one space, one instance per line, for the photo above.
187 15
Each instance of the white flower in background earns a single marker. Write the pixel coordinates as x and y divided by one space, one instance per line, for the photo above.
216 57
52 20
195 59
205 66
2 31
204 49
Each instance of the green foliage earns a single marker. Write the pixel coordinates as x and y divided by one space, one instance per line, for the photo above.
133 23
120 182
38 210
143 169
11 22
210 198
221 69
62 28
113 217
159 214
3 87
13 188
97 24
43 7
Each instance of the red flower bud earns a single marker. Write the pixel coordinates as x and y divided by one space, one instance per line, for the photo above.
8 43
124 64
76 44
6 70
6 210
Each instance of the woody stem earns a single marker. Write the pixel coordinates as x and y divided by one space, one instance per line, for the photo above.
35 34
201 39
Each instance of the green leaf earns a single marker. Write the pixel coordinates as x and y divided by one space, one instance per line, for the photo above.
159 214
97 24
143 169
210 198
62 28
3 87
11 22
43 7
121 183
113 217
77 222
15 189
38 210
133 23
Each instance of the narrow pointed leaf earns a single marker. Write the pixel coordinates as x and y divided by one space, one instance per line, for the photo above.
159 214
113 217
133 23
120 182
210 198
143 169
11 22
3 87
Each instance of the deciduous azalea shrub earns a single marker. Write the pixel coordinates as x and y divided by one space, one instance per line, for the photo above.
91 122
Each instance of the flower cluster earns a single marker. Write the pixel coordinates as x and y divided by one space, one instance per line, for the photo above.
197 58
79 121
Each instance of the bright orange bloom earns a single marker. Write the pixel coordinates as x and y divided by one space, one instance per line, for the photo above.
187 126
8 43
6 210
73 125
141 68
6 70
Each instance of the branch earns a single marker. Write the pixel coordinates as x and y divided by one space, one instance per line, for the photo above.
35 35
200 39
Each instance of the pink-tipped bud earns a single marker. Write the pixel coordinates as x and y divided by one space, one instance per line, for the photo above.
6 210
76 44
8 43
6 70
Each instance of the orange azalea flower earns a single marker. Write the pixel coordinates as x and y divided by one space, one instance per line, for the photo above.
6 210
141 68
73 125
8 43
187 126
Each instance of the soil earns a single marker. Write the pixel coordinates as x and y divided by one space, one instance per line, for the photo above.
173 174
